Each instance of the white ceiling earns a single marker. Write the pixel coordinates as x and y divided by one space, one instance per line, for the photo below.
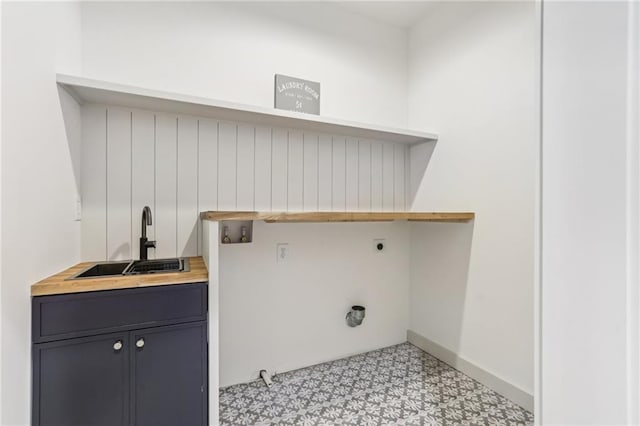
402 14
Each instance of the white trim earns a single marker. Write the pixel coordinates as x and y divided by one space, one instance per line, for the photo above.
2 143
210 234
501 386
86 90
537 238
633 214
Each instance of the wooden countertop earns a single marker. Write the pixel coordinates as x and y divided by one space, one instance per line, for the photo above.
292 217
58 283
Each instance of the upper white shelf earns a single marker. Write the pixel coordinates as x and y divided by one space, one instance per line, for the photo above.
86 90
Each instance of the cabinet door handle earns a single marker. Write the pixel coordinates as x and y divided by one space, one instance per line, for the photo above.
140 343
117 346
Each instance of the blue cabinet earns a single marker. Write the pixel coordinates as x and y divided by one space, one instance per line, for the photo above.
111 366
169 381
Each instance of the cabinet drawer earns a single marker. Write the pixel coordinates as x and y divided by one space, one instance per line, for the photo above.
82 314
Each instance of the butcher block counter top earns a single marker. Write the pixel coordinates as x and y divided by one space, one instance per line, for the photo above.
59 284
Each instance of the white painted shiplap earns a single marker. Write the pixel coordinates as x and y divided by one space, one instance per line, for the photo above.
207 169
352 164
295 180
187 187
388 175
399 177
118 184
164 213
143 130
227 162
245 168
376 176
325 173
262 170
181 165
94 183
364 175
310 172
279 169
339 177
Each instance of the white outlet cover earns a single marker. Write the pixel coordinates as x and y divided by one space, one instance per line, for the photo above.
78 208
377 241
282 252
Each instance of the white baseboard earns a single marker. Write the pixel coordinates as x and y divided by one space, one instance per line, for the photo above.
504 388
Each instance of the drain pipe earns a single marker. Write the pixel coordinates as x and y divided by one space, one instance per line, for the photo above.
266 377
355 316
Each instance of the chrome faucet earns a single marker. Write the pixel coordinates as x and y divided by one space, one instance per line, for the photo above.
144 243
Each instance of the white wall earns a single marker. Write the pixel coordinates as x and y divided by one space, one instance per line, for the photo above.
283 316
1 315
589 214
472 79
232 51
39 183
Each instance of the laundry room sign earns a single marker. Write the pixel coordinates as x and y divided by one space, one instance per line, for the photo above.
295 94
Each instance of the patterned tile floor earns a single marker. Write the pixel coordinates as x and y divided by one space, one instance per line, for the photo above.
398 385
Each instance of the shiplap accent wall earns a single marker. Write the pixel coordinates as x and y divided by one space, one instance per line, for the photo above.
182 165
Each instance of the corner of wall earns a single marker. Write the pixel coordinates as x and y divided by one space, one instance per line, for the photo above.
460 57
633 215
1 209
38 144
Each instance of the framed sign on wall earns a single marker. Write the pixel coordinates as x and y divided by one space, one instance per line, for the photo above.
296 94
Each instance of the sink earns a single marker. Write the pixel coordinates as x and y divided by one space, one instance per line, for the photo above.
157 266
135 267
103 270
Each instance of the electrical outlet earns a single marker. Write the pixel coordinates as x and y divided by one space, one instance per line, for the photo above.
282 252
379 245
78 208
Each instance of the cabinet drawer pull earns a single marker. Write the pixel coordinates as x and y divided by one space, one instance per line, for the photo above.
117 345
140 343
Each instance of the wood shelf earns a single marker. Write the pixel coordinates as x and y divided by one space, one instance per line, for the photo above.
274 217
86 90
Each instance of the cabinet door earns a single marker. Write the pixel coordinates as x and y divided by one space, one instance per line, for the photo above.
82 382
169 375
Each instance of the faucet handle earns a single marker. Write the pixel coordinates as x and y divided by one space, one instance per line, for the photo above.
150 244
